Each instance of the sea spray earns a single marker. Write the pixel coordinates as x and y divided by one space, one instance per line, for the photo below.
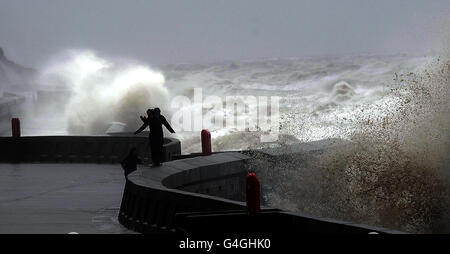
103 92
394 171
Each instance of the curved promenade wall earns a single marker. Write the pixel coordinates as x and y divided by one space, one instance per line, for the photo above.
191 190
150 200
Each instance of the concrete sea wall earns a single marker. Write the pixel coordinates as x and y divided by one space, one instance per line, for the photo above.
153 196
79 149
206 194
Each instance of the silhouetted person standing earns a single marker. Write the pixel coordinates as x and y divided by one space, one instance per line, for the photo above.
155 121
129 164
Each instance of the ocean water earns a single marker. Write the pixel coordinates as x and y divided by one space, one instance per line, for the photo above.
392 109
318 97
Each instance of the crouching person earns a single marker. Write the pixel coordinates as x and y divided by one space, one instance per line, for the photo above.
129 164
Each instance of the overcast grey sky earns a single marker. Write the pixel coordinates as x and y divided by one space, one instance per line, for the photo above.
208 30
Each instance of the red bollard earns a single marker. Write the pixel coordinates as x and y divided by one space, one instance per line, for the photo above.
253 194
206 142
15 127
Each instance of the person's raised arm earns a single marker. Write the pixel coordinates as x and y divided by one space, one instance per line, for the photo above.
145 119
164 121
141 128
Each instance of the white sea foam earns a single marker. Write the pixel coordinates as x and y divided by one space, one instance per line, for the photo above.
104 92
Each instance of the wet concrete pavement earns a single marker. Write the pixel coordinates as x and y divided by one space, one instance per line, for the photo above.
60 198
